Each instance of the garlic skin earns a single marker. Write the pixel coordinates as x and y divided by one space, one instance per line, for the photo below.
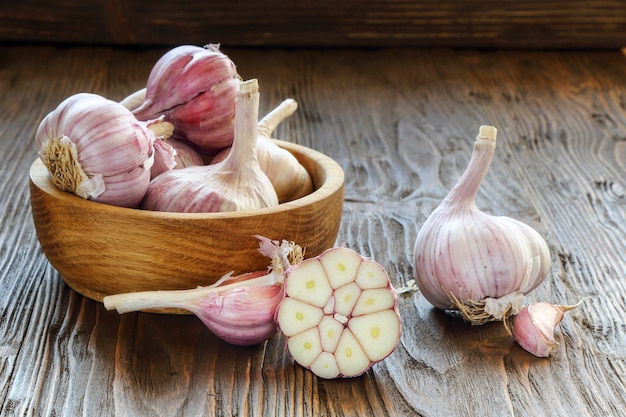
289 178
240 310
194 88
97 149
234 184
242 316
185 155
473 262
533 327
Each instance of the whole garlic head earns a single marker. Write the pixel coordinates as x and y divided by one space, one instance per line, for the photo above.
473 262
97 149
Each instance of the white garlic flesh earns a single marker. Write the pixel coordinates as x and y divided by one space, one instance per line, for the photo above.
339 313
473 262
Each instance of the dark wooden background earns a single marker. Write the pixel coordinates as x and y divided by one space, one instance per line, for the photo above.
315 23
400 119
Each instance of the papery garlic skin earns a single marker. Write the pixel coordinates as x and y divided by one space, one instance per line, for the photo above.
237 183
97 149
289 178
239 309
479 264
533 327
194 88
242 316
185 155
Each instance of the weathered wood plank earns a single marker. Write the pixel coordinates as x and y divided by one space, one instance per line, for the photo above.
401 123
485 24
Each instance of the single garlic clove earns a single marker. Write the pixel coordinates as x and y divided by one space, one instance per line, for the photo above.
478 264
533 327
339 313
95 148
237 183
194 88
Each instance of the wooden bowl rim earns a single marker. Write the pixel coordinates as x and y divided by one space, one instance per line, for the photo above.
332 182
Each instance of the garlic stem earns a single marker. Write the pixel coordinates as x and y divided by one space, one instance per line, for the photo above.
183 299
268 124
467 186
246 120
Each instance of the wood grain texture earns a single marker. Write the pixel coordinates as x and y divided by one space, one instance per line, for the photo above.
101 249
401 123
373 23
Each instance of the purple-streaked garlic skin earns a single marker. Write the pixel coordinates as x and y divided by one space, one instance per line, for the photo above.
242 316
237 183
111 146
533 328
185 155
289 178
194 88
164 158
465 254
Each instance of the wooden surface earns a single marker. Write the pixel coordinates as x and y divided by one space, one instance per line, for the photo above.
94 257
401 123
369 23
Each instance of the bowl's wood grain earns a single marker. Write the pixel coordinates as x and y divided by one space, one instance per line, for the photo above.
101 249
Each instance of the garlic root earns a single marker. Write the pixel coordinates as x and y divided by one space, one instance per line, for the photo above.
339 313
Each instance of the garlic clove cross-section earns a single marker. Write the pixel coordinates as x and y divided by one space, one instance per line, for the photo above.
339 314
478 264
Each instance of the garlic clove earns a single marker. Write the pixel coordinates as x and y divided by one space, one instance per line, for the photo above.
234 184
533 327
478 264
97 149
194 88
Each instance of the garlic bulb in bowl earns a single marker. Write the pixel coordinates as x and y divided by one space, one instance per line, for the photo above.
96 148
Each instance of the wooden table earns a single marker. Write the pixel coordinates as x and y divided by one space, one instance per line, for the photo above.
401 123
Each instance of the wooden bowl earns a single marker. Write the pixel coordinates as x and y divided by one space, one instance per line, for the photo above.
101 249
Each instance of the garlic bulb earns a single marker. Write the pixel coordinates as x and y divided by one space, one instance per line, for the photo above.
194 88
289 178
239 310
236 183
95 148
473 262
533 327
